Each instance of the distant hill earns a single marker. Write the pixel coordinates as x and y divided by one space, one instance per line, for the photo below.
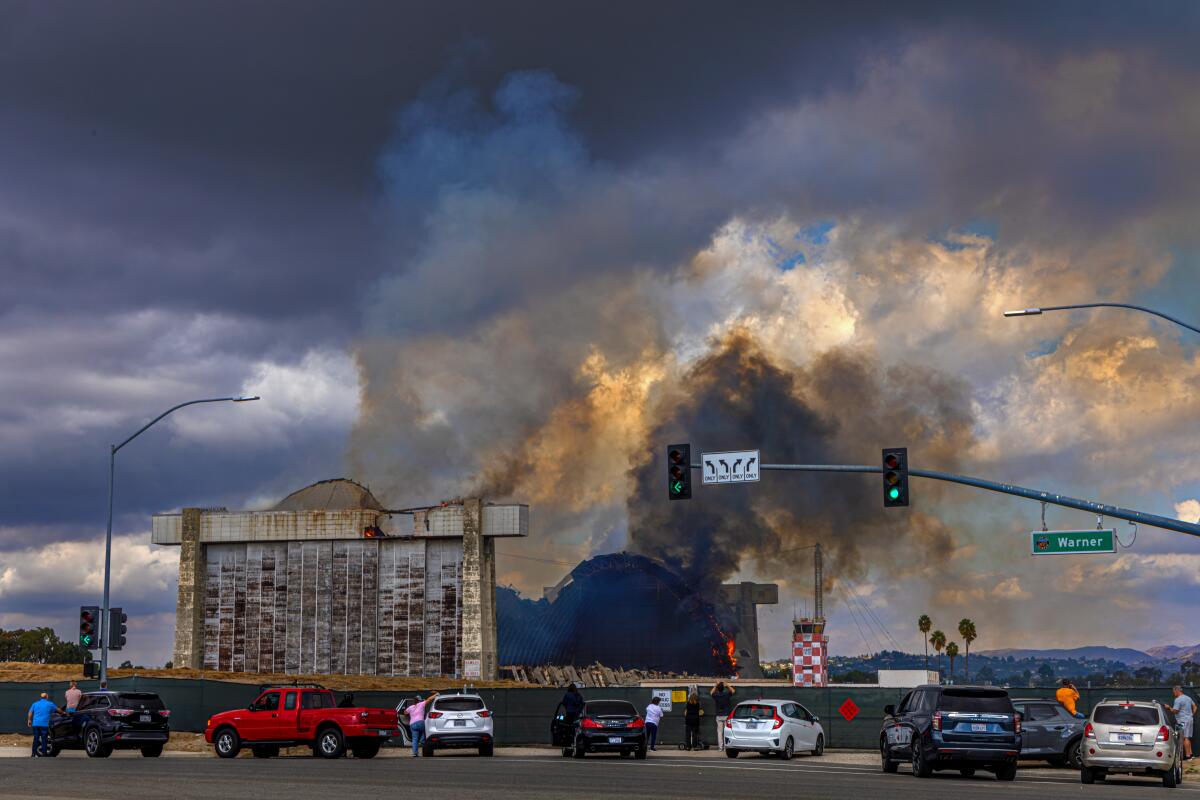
1174 652
1125 655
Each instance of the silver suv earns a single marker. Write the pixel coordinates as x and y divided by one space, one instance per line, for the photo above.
458 720
1137 737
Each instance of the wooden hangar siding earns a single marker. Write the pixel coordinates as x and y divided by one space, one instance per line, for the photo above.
303 588
370 606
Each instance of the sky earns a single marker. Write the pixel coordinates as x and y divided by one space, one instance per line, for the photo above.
514 249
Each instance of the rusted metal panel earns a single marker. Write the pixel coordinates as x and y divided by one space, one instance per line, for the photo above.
225 610
308 607
415 586
238 641
279 640
339 623
354 583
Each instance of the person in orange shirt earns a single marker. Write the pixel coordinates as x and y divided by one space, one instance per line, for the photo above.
1068 696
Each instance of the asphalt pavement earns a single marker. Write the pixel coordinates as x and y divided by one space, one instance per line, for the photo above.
519 774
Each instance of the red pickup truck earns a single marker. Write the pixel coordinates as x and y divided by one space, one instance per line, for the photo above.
289 716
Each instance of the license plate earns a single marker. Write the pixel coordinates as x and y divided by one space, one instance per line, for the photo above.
144 718
460 723
752 725
979 727
615 740
385 733
1125 737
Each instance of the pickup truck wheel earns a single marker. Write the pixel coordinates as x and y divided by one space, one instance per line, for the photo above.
93 744
227 743
365 749
330 743
265 750
152 751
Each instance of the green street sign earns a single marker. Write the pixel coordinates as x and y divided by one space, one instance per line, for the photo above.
1046 543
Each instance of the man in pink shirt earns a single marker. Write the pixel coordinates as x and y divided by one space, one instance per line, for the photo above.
73 695
416 722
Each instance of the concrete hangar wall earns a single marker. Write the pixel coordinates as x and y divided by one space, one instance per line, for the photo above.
330 582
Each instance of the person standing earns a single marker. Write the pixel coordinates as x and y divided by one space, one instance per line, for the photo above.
691 722
722 696
1068 696
39 720
1185 713
572 704
73 695
416 722
654 715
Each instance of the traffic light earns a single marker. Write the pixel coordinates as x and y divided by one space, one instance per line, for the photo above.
89 627
895 477
91 669
679 472
116 628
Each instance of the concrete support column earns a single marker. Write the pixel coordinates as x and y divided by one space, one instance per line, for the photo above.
478 594
189 607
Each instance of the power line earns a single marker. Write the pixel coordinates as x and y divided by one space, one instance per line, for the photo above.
878 623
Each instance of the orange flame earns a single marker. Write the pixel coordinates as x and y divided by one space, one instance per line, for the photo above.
732 654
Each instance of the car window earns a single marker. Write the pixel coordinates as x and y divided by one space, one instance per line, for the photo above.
139 700
101 701
289 701
458 704
987 701
317 700
905 703
1039 712
84 702
922 701
1126 715
805 713
609 708
753 711
268 702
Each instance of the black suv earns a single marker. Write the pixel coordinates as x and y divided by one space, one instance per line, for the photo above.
105 721
952 727
604 726
1049 732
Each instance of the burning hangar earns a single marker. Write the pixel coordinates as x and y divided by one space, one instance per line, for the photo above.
631 612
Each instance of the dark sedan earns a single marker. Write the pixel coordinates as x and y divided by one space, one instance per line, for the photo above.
604 726
105 721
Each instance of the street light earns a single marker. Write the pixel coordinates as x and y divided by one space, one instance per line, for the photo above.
1031 312
112 461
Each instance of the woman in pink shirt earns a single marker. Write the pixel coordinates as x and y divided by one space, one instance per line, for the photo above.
416 722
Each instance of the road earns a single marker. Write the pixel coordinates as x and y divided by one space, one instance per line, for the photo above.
663 776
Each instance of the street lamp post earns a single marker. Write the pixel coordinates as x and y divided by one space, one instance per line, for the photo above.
1030 312
112 462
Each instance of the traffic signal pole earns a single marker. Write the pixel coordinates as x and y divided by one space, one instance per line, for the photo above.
1053 498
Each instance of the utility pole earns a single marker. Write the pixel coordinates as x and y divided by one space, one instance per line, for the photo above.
818 584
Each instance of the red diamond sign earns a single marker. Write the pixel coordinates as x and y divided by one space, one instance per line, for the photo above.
848 710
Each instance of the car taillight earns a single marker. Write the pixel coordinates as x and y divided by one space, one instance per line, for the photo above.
588 722
166 712
778 723
729 721
1164 734
937 720
1089 732
484 713
638 723
120 712
435 714
1016 723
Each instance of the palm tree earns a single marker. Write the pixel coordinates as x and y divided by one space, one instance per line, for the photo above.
924 623
966 629
938 640
952 651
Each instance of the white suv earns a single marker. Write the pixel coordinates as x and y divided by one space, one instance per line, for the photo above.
1131 736
458 720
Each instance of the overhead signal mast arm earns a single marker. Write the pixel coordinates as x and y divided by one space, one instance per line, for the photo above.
1053 498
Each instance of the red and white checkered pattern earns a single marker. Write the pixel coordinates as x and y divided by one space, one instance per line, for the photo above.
809 660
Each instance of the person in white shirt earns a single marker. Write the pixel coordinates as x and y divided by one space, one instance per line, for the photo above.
654 715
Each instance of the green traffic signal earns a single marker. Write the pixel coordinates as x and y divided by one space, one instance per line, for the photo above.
894 493
85 640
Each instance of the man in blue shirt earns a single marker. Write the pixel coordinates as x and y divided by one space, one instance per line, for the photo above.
39 720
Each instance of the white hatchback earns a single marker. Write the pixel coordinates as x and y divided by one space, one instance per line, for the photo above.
773 726
458 720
